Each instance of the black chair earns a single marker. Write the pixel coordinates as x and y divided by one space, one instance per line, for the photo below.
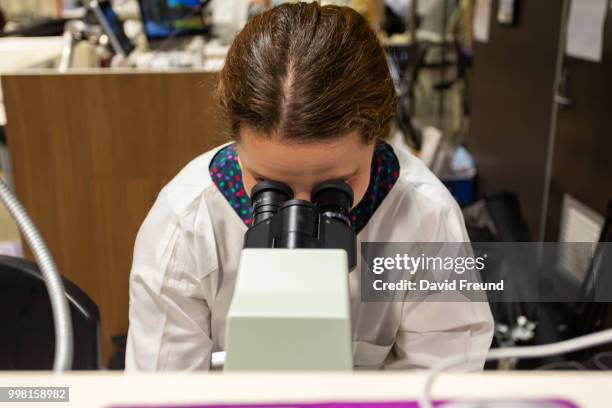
27 337
505 211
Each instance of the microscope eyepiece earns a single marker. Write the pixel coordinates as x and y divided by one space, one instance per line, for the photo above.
333 199
267 197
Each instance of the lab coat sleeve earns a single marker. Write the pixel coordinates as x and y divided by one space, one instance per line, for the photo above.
169 315
431 331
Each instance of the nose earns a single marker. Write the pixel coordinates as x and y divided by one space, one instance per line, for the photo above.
302 195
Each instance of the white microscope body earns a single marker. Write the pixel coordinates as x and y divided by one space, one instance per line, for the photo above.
291 304
290 311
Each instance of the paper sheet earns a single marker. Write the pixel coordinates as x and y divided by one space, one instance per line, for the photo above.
585 29
482 20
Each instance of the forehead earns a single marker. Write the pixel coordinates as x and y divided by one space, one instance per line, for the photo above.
274 158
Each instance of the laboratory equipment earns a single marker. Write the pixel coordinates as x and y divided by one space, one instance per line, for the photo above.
291 304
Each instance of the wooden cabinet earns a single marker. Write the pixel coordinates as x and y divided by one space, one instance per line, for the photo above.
90 153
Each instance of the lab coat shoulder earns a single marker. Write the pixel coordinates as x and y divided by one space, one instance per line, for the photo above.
424 204
171 281
432 330
178 227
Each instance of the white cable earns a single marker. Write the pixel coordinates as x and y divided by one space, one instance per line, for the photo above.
567 346
53 280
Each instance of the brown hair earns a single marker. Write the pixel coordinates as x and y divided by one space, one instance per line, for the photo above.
307 73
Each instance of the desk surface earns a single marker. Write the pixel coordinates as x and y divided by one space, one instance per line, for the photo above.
17 53
105 389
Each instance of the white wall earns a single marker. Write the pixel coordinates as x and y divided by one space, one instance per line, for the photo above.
16 9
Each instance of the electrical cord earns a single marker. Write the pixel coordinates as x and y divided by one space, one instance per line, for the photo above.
55 288
562 365
600 364
567 346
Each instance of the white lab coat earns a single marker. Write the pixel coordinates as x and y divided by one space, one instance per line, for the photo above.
186 257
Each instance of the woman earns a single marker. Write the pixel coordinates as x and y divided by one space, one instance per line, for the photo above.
307 97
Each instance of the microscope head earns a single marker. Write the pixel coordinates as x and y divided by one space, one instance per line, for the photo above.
279 221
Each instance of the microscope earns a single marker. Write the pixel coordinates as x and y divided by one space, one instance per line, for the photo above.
291 304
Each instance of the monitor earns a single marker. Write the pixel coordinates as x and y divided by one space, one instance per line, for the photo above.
112 26
171 18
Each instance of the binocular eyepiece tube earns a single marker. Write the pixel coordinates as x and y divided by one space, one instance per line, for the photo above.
267 197
333 199
280 221
299 225
330 198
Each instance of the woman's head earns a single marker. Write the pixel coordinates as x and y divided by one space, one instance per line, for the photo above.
306 93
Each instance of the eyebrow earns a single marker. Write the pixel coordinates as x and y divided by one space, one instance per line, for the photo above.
342 177
257 175
349 175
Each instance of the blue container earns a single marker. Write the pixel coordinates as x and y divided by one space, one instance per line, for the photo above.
463 190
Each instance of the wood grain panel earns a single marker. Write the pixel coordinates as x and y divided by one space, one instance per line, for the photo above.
90 154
